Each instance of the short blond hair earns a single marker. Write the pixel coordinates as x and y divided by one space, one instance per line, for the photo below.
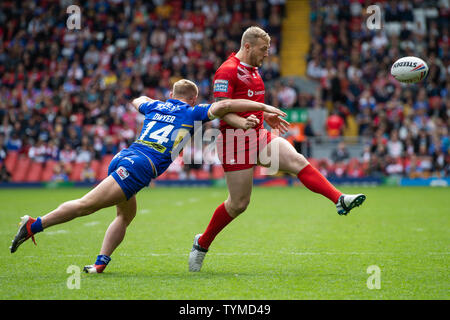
184 89
252 34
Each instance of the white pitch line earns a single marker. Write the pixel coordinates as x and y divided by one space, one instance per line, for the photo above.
231 254
51 233
272 253
91 224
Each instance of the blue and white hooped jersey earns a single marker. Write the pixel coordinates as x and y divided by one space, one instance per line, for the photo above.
165 126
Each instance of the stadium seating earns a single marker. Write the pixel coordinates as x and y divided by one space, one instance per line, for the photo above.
11 160
48 171
217 172
102 172
258 173
77 169
21 170
95 165
201 174
347 79
34 172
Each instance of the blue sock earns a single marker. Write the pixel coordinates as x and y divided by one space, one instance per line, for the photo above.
102 260
37 226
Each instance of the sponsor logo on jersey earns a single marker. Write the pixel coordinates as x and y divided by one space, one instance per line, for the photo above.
252 93
122 172
167 106
221 85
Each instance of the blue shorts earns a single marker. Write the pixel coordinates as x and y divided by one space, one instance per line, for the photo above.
132 170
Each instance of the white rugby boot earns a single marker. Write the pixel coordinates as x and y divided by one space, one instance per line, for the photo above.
347 202
196 255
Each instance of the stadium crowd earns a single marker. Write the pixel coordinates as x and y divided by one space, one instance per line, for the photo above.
64 93
407 125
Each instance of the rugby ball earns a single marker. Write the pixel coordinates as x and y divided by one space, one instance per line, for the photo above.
409 69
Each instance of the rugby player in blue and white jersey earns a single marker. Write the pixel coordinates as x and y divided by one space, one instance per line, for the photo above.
165 126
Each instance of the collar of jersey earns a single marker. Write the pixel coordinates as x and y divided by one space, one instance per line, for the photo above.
176 101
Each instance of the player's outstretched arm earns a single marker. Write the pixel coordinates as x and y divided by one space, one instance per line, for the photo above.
239 122
138 101
221 108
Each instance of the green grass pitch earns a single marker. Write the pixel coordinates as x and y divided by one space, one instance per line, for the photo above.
289 244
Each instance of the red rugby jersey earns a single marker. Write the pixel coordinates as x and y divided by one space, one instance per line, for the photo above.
236 80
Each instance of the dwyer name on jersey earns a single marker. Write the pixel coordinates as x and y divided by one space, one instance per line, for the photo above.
237 80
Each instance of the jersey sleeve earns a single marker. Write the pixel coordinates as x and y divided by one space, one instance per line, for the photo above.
200 112
224 81
147 107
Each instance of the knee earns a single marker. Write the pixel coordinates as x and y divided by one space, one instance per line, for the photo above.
301 160
298 162
128 217
236 207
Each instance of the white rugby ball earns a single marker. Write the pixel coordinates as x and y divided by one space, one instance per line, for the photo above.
409 69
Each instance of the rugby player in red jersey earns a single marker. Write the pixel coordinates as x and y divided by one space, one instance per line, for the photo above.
238 77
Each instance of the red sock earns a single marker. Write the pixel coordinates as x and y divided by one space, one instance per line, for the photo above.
316 182
219 220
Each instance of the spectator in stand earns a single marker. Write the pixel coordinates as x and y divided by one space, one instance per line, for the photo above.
318 116
59 173
67 155
287 96
37 152
88 174
314 69
394 166
85 152
335 125
14 143
340 154
394 146
3 150
52 150
5 176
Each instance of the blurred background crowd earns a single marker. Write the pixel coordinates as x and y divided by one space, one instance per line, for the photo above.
64 93
406 126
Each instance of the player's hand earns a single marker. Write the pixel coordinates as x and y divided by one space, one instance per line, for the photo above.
145 98
273 110
138 101
275 122
251 122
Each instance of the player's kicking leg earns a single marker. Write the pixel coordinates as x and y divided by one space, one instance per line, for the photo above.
240 188
126 211
291 161
106 194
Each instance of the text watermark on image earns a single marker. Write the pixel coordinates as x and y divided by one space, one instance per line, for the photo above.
374 280
235 146
373 22
74 20
74 280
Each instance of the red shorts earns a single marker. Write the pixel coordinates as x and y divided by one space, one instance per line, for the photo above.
239 149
